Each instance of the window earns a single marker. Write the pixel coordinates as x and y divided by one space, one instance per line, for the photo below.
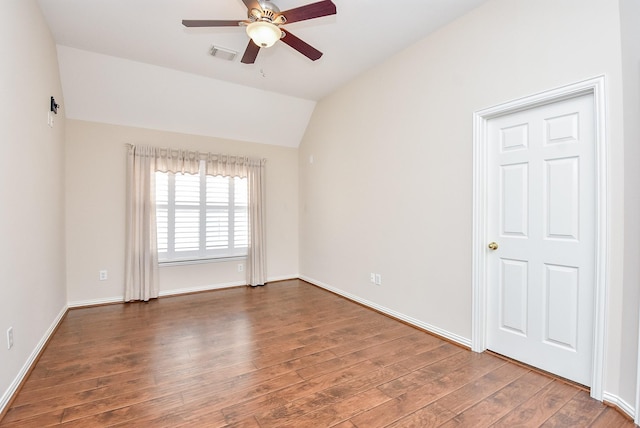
200 216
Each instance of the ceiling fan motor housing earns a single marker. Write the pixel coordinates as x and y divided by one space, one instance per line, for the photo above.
268 12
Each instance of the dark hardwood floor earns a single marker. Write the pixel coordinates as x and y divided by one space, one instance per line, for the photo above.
285 355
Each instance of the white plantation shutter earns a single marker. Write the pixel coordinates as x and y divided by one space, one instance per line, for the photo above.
217 234
187 213
200 216
241 224
162 210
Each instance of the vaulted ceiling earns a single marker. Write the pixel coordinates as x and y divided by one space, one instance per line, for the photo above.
133 63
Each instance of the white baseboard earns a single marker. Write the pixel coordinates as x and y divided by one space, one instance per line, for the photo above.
8 394
282 278
619 403
409 320
163 293
96 302
178 291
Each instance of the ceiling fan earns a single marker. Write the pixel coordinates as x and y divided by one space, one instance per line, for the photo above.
264 26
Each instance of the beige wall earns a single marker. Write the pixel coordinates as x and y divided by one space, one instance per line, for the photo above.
95 185
390 188
629 14
32 286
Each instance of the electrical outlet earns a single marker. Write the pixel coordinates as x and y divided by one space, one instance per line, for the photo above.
102 275
378 279
10 338
240 267
372 277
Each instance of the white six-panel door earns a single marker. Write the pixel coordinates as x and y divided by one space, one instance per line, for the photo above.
541 215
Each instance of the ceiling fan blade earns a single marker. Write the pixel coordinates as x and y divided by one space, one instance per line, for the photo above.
209 23
303 47
251 53
251 4
310 11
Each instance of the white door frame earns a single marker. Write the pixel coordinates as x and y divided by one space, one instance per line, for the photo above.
596 87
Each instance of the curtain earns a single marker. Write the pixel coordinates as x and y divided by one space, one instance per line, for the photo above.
141 254
256 257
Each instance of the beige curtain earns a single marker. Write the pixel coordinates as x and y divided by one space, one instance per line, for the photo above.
253 170
177 161
141 254
256 257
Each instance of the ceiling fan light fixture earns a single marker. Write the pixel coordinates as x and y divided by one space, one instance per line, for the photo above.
263 33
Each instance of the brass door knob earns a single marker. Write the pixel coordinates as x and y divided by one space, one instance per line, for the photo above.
493 246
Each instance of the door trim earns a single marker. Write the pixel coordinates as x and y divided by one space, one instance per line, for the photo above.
596 87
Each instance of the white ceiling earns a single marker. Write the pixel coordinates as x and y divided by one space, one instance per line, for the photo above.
133 63
362 34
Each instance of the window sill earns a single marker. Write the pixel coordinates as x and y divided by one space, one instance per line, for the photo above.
170 263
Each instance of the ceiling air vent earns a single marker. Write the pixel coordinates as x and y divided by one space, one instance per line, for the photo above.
222 53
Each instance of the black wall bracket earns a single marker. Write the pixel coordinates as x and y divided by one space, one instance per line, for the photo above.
54 106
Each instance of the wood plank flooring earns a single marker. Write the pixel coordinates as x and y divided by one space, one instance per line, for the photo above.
285 355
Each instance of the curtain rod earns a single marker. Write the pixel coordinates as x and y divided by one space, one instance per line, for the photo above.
203 156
